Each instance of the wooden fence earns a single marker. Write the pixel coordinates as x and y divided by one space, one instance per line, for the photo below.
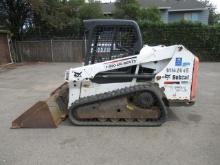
50 50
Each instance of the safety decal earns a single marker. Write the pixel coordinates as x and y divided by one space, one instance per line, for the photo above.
178 62
171 82
185 64
184 82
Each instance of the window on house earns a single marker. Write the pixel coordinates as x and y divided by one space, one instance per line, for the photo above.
188 16
195 16
191 16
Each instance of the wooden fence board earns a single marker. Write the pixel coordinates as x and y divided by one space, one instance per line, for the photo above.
50 50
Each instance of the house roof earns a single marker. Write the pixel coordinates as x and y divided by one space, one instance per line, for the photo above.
172 5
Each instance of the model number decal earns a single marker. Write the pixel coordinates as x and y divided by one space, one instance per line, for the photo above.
177 70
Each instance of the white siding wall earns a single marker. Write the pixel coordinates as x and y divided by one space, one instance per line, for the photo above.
204 16
164 16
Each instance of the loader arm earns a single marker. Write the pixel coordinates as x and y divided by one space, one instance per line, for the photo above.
147 55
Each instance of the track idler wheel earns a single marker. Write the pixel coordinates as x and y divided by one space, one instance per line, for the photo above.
144 100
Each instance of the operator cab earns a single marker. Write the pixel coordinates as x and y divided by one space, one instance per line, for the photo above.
108 39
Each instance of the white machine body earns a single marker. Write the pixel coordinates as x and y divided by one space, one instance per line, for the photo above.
173 68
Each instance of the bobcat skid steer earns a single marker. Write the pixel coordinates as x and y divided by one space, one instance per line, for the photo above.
122 82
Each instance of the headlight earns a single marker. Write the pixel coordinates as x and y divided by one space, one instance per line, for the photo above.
67 75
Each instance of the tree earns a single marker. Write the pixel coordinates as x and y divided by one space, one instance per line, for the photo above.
56 14
150 15
90 10
127 9
131 9
213 16
63 18
16 15
47 18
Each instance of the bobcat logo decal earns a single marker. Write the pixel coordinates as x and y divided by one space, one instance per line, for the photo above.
76 74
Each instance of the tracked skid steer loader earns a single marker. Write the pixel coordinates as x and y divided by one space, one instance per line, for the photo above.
122 81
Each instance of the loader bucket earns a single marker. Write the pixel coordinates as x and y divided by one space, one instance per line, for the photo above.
45 114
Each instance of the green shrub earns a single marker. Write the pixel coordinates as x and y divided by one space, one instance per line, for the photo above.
202 40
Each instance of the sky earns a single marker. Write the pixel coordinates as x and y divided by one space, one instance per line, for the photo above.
217 4
214 2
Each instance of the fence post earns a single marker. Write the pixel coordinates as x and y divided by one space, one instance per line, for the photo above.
18 52
51 49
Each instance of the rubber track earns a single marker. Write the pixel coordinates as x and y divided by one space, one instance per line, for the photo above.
118 93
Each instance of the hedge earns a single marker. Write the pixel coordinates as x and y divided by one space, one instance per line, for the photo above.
202 40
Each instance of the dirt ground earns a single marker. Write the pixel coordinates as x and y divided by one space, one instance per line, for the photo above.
190 136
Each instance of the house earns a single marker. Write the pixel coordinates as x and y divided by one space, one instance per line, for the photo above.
172 10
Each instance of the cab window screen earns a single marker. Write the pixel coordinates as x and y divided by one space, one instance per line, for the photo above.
112 42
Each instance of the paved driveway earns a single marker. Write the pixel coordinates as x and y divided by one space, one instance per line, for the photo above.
190 137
